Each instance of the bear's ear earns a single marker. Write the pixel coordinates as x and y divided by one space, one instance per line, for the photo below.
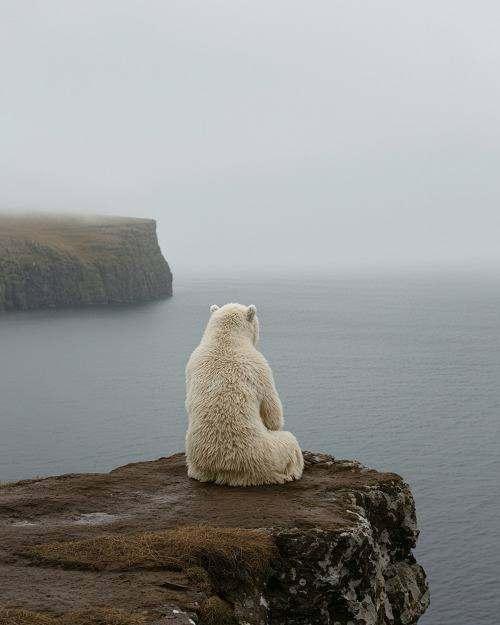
213 308
251 310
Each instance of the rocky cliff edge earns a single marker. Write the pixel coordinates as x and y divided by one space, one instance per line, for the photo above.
144 544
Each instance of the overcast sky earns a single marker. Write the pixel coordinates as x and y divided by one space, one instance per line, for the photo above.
261 133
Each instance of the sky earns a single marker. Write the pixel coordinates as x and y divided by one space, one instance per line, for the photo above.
261 134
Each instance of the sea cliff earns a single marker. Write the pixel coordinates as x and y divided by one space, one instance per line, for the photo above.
54 261
144 544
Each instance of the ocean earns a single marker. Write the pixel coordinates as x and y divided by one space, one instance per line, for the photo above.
398 370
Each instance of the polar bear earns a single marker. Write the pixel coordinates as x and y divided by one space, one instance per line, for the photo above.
234 435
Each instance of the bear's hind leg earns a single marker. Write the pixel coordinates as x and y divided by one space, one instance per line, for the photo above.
290 460
295 466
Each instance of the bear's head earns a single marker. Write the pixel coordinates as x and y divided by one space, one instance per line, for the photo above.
235 319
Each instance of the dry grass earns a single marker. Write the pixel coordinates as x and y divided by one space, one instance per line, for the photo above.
197 576
101 617
104 616
224 553
24 617
216 611
33 225
66 234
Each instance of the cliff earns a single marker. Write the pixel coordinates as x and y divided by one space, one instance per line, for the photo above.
145 544
54 261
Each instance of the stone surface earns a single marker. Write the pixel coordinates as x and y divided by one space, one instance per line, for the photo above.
48 262
343 537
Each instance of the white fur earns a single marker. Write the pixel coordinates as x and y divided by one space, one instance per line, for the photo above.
235 431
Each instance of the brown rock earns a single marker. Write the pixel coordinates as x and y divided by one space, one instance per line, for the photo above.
334 547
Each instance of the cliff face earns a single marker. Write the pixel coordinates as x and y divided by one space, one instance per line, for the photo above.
50 262
144 544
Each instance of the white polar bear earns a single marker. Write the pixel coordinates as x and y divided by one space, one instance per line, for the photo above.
235 415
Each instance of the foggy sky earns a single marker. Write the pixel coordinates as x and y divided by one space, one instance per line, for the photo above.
261 133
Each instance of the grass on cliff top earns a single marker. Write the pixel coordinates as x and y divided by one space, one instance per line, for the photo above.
224 553
103 616
65 233
36 223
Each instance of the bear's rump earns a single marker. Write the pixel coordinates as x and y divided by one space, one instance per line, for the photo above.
252 452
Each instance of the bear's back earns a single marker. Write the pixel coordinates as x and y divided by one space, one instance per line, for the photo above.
222 385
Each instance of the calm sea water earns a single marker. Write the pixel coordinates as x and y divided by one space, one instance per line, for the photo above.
399 371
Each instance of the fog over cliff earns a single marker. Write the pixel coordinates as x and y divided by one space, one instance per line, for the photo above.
261 134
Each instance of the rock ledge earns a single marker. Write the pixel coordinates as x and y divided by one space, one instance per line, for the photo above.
333 548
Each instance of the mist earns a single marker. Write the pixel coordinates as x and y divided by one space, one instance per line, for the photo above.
261 134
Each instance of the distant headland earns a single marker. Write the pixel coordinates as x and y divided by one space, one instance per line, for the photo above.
53 261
